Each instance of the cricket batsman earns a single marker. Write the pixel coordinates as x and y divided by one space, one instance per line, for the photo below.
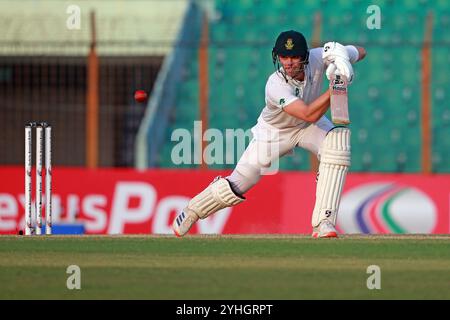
292 117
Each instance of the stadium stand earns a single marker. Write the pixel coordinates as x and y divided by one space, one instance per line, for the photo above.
385 98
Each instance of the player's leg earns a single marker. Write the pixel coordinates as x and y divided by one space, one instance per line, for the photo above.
221 193
244 175
229 191
334 154
216 196
261 156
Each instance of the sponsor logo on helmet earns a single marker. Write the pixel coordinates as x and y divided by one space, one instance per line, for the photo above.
289 44
385 207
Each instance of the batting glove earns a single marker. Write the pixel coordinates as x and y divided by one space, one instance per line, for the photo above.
341 67
332 51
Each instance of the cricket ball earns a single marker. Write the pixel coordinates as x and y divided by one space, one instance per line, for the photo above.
140 96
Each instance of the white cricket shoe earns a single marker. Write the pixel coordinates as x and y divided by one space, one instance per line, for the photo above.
183 222
325 230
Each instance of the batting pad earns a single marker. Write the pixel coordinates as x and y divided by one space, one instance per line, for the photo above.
216 196
334 164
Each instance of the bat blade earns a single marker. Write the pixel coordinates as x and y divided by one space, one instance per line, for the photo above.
339 100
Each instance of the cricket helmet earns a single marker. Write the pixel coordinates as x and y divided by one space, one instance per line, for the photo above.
290 44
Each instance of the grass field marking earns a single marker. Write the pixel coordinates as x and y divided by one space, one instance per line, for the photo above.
151 261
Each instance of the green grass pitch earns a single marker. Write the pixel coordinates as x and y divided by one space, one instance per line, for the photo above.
225 267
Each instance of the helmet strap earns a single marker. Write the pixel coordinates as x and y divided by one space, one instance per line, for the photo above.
277 65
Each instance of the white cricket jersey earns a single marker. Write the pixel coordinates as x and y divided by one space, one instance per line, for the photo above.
280 93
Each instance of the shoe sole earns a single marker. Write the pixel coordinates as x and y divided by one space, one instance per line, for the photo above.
176 233
327 235
175 230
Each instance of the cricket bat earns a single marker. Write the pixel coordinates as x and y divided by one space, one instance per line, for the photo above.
339 99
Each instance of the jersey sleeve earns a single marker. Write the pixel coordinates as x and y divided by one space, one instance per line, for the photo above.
353 53
315 58
279 95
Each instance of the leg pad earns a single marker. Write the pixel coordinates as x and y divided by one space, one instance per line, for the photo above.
334 164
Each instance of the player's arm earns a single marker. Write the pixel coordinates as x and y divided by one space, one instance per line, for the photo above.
361 53
355 53
309 112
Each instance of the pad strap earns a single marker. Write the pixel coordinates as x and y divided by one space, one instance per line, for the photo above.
216 196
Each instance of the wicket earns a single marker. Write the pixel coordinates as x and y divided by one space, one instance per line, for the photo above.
43 129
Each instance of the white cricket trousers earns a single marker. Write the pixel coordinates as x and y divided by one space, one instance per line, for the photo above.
270 144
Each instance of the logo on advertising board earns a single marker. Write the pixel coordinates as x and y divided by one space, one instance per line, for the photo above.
386 208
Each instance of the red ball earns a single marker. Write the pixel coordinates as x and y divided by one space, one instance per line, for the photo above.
140 96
